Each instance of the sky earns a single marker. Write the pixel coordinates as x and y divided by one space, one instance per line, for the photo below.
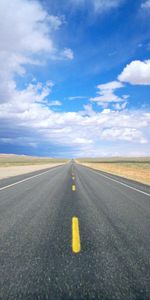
75 77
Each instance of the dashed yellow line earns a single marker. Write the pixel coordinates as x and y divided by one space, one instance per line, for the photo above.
73 178
76 244
73 188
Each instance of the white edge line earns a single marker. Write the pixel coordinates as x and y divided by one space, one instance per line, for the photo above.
120 182
7 186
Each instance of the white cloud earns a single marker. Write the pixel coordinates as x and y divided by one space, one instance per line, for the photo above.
26 35
88 110
102 5
106 94
65 54
113 85
77 97
68 53
120 106
99 5
26 116
54 103
137 72
55 22
26 119
126 134
24 27
146 4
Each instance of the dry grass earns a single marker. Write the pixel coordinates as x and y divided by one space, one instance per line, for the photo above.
133 168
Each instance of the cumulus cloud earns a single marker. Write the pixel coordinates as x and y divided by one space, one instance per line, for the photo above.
27 116
106 94
137 72
25 36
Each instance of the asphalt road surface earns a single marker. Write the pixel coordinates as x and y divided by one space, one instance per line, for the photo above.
74 233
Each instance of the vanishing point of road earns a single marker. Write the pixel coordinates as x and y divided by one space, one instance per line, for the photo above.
74 233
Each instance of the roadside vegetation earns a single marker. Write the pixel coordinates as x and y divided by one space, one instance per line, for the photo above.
137 169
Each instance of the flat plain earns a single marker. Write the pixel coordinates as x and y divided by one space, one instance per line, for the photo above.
14 165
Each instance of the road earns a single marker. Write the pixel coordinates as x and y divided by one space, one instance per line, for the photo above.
74 233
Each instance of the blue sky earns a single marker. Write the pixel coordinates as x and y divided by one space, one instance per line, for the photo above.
75 77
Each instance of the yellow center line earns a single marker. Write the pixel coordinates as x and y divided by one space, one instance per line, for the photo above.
73 188
76 244
73 178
